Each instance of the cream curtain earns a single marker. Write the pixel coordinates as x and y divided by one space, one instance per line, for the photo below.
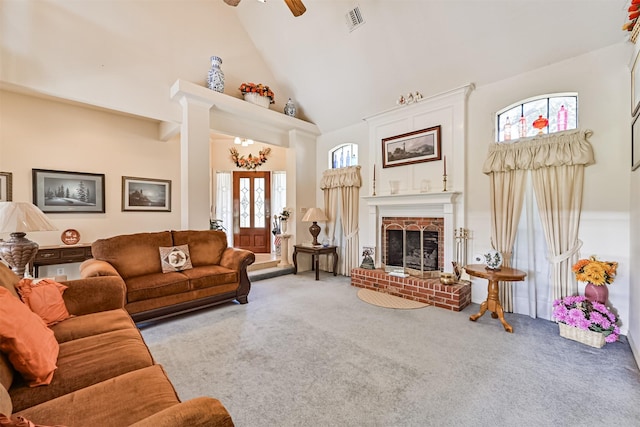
557 163
345 183
506 196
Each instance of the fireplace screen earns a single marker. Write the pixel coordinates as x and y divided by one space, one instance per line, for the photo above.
414 251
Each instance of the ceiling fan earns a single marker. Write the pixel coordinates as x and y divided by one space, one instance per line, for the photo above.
296 6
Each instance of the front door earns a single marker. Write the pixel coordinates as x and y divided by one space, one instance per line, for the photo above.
251 211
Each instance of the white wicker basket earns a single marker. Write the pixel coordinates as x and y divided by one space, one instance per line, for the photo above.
591 338
254 98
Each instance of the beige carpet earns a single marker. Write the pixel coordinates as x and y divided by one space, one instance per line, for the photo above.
388 301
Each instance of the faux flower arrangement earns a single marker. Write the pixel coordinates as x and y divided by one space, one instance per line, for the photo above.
250 162
259 88
581 313
286 213
591 270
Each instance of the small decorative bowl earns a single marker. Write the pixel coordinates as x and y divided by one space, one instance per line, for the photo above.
447 278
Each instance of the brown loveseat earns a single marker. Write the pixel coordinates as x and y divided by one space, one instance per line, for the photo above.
218 273
105 375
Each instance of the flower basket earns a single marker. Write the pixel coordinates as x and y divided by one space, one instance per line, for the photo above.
591 338
254 98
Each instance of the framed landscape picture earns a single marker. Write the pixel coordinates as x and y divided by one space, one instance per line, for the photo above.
68 192
146 195
5 187
413 147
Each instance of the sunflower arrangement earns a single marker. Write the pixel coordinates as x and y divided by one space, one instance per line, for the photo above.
591 270
260 89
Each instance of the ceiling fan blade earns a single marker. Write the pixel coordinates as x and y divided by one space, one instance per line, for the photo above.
296 7
232 2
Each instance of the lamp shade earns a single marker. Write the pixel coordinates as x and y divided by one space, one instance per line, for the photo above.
314 215
23 217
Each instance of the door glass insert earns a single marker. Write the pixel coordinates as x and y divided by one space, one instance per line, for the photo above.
245 203
258 203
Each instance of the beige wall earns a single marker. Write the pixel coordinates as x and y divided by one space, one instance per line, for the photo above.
45 134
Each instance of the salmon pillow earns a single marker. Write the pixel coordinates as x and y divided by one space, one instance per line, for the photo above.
44 297
29 344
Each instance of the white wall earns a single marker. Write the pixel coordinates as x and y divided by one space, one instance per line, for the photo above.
125 55
45 134
634 255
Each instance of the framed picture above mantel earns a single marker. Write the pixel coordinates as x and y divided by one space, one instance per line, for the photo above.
413 147
68 192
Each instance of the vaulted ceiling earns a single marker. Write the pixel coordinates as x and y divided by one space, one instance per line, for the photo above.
338 77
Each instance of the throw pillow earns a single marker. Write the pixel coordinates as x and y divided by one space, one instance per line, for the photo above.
175 258
29 344
18 421
44 297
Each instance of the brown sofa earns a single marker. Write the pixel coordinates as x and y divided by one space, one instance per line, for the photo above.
105 374
219 273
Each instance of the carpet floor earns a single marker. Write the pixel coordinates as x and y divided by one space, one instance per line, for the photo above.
310 353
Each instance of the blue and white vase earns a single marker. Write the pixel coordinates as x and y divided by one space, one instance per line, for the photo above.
215 79
290 108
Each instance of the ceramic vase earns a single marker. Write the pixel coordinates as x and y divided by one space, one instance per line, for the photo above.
283 226
596 293
290 108
215 79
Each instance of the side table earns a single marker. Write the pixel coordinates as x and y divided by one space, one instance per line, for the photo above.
315 252
58 254
492 303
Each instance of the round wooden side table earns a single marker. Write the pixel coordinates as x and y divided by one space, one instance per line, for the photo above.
492 302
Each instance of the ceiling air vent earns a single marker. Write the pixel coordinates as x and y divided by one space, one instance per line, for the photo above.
354 18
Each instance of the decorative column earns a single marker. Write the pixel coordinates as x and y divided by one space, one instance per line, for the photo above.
284 250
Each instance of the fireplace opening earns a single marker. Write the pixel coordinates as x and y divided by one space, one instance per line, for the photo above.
406 250
413 245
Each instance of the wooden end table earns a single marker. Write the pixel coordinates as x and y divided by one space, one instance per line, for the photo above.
492 303
315 252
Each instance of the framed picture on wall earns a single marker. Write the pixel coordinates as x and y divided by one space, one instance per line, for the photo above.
635 143
146 195
5 187
413 147
635 86
68 192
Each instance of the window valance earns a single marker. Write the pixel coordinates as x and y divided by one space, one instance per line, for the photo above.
556 149
342 177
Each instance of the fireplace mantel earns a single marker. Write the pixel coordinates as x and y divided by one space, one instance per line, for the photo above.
431 204
413 199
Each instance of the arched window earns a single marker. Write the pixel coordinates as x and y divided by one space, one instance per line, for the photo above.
519 120
343 155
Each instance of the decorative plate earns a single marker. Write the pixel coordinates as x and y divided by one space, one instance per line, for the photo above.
493 259
70 237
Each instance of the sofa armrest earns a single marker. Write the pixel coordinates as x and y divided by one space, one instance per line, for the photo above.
237 259
201 411
94 268
94 294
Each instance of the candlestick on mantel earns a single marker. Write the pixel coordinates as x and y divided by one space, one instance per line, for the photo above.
445 166
374 179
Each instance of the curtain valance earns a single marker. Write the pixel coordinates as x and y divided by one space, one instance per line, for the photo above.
556 149
342 177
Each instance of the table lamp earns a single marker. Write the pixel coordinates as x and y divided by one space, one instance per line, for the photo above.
18 218
314 215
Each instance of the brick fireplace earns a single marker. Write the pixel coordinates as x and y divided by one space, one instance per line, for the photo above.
431 212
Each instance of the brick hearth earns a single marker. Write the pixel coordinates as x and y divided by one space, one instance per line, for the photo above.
431 291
